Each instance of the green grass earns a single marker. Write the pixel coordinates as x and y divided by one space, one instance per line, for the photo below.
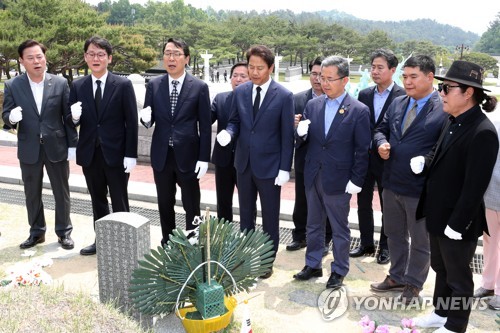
51 309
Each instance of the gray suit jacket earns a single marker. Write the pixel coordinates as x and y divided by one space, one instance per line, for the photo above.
49 124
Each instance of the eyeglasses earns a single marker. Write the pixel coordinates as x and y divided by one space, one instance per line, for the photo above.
100 55
176 55
329 80
445 87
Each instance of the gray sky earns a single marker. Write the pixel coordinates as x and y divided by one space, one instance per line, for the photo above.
472 16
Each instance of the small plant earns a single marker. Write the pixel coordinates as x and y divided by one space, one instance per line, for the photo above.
27 274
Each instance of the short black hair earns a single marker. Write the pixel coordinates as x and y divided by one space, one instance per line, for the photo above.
30 43
100 42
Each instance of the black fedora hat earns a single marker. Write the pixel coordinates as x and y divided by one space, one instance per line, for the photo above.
466 73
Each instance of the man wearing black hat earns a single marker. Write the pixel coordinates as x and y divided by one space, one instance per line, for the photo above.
457 172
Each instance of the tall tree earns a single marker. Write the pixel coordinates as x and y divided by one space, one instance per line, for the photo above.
490 40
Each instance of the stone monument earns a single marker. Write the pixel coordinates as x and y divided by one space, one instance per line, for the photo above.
277 60
121 239
206 57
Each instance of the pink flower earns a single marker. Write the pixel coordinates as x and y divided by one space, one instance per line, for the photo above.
382 329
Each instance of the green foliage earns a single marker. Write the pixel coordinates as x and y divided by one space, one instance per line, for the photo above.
490 40
157 282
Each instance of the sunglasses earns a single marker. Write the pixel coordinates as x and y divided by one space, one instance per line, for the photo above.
446 87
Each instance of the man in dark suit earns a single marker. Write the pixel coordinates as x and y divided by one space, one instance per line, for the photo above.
300 206
410 127
457 173
37 104
179 104
336 130
262 120
377 98
223 157
103 105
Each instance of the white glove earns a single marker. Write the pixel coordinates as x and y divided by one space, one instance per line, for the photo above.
76 111
351 188
452 234
303 127
16 115
145 114
71 153
223 138
417 164
201 168
129 164
282 178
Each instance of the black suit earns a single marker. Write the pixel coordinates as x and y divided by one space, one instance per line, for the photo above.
223 158
47 126
458 173
375 169
300 207
107 136
190 129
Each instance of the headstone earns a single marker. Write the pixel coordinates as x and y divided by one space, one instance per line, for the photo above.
293 73
121 239
206 64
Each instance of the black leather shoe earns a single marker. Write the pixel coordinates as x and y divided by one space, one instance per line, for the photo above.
66 242
361 251
307 272
32 241
267 275
383 257
296 245
89 250
335 281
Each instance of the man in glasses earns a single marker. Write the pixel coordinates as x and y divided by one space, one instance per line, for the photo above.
37 104
103 105
300 205
178 104
377 98
336 131
223 157
411 127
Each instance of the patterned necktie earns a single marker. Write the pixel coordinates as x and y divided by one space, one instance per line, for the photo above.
256 103
98 95
174 95
410 117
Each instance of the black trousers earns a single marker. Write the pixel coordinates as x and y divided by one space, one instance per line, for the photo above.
454 288
166 181
100 178
365 210
32 175
225 182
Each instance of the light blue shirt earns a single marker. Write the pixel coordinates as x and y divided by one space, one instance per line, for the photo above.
332 106
379 100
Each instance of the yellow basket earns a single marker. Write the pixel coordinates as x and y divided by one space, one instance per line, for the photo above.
211 324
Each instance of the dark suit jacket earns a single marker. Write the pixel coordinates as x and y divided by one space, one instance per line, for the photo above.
457 178
300 100
57 133
114 126
190 127
266 142
366 97
343 153
418 139
221 106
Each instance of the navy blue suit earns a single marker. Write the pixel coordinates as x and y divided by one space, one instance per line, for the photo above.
223 158
331 161
375 169
190 128
264 146
300 206
107 136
